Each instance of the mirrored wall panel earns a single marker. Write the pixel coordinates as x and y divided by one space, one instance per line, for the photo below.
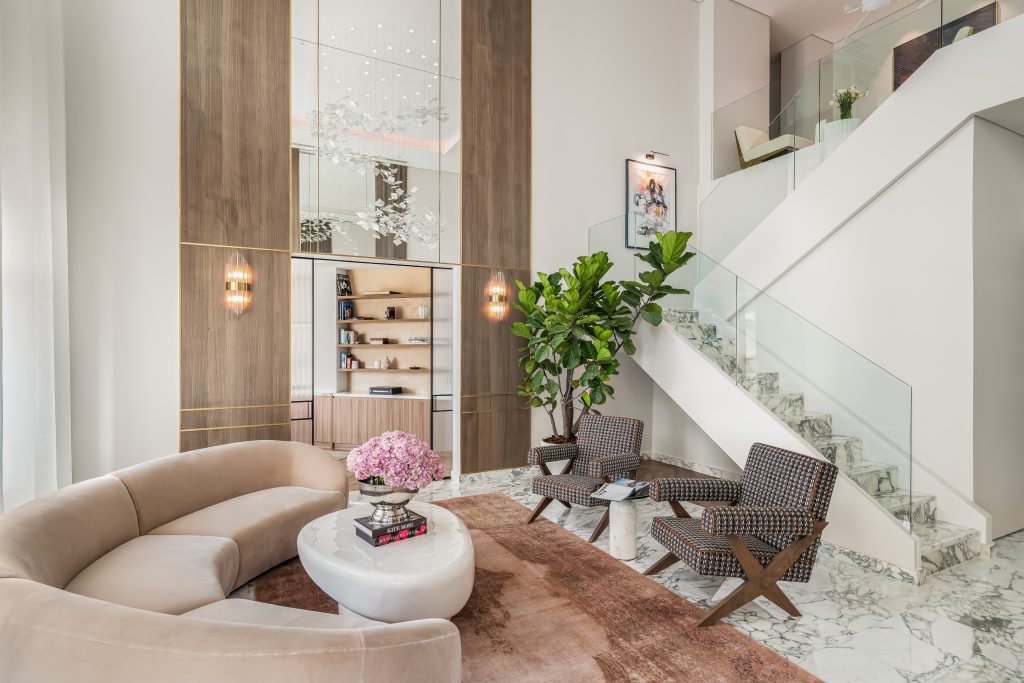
375 128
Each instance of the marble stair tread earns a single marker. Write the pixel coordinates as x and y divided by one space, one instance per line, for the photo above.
874 477
759 383
917 508
815 428
945 545
843 449
785 404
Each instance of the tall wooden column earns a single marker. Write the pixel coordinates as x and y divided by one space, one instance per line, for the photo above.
496 212
235 70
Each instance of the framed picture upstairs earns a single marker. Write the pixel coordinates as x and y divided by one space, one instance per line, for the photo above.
650 202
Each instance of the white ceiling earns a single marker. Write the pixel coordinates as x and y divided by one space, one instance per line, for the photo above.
794 20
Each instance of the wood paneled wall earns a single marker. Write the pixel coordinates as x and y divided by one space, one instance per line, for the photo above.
496 213
235 195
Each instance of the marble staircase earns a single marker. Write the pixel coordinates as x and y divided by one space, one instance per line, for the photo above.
942 545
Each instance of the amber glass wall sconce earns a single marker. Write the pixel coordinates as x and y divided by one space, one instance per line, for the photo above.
237 284
497 297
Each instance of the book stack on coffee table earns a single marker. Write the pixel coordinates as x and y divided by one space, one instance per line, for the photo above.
377 535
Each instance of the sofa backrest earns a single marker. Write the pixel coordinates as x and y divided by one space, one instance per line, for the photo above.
54 537
53 635
168 488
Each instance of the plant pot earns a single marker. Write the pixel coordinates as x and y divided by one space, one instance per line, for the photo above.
388 502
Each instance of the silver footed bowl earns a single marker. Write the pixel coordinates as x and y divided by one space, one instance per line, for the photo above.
388 502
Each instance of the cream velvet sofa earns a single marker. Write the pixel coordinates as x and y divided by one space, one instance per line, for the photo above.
124 578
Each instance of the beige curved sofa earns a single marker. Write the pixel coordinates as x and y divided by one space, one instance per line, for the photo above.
124 578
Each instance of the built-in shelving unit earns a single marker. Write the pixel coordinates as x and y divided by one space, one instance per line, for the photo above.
404 292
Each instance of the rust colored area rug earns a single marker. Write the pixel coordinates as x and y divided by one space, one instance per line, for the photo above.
548 606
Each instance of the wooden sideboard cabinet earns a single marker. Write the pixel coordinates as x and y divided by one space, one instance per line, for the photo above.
344 422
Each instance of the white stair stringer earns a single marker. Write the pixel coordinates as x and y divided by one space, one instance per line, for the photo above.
734 420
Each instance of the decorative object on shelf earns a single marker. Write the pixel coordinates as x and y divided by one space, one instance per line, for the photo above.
237 284
390 313
345 310
344 283
386 363
577 323
379 340
391 468
423 312
497 297
844 99
908 57
650 202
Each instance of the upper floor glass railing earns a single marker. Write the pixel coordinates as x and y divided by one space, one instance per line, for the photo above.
850 410
779 134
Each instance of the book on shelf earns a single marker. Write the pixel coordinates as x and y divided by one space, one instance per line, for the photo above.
381 292
379 340
621 489
387 534
419 340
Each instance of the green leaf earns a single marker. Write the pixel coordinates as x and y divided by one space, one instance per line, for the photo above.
651 313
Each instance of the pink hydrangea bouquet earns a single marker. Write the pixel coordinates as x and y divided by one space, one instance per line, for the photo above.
396 459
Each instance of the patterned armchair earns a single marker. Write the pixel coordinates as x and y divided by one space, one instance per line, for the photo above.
606 449
770 533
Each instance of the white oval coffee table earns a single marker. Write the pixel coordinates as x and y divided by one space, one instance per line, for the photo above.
429 576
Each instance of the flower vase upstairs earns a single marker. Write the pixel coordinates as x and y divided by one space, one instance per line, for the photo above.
844 98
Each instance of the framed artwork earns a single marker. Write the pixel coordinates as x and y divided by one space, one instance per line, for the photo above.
909 56
650 202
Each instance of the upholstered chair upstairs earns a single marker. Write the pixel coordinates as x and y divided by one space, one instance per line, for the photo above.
769 531
607 448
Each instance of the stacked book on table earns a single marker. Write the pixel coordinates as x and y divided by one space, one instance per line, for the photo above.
387 534
622 489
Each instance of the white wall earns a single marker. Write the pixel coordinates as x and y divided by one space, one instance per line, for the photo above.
607 88
875 285
122 74
998 328
675 434
737 62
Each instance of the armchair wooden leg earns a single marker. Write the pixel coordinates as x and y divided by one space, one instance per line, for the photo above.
678 509
662 564
601 526
762 581
544 502
566 503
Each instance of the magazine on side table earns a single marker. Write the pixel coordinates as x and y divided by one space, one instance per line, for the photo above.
621 489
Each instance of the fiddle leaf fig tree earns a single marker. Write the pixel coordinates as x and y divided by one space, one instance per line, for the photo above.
577 323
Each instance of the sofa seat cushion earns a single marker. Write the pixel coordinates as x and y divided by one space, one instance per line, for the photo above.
264 524
169 574
242 611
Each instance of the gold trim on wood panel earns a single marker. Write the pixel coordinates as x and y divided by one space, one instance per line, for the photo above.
265 405
211 429
233 246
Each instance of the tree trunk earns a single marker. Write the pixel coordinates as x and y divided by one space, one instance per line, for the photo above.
567 415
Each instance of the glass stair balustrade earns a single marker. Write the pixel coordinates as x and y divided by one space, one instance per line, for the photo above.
851 411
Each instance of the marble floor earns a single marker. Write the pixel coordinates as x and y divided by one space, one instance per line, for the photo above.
965 624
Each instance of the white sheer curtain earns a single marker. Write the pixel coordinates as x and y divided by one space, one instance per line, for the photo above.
36 446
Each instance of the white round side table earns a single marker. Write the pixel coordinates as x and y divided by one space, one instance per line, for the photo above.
622 529
429 576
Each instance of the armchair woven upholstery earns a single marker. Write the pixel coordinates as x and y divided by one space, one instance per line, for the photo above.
605 447
756 521
560 451
692 490
610 465
780 498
